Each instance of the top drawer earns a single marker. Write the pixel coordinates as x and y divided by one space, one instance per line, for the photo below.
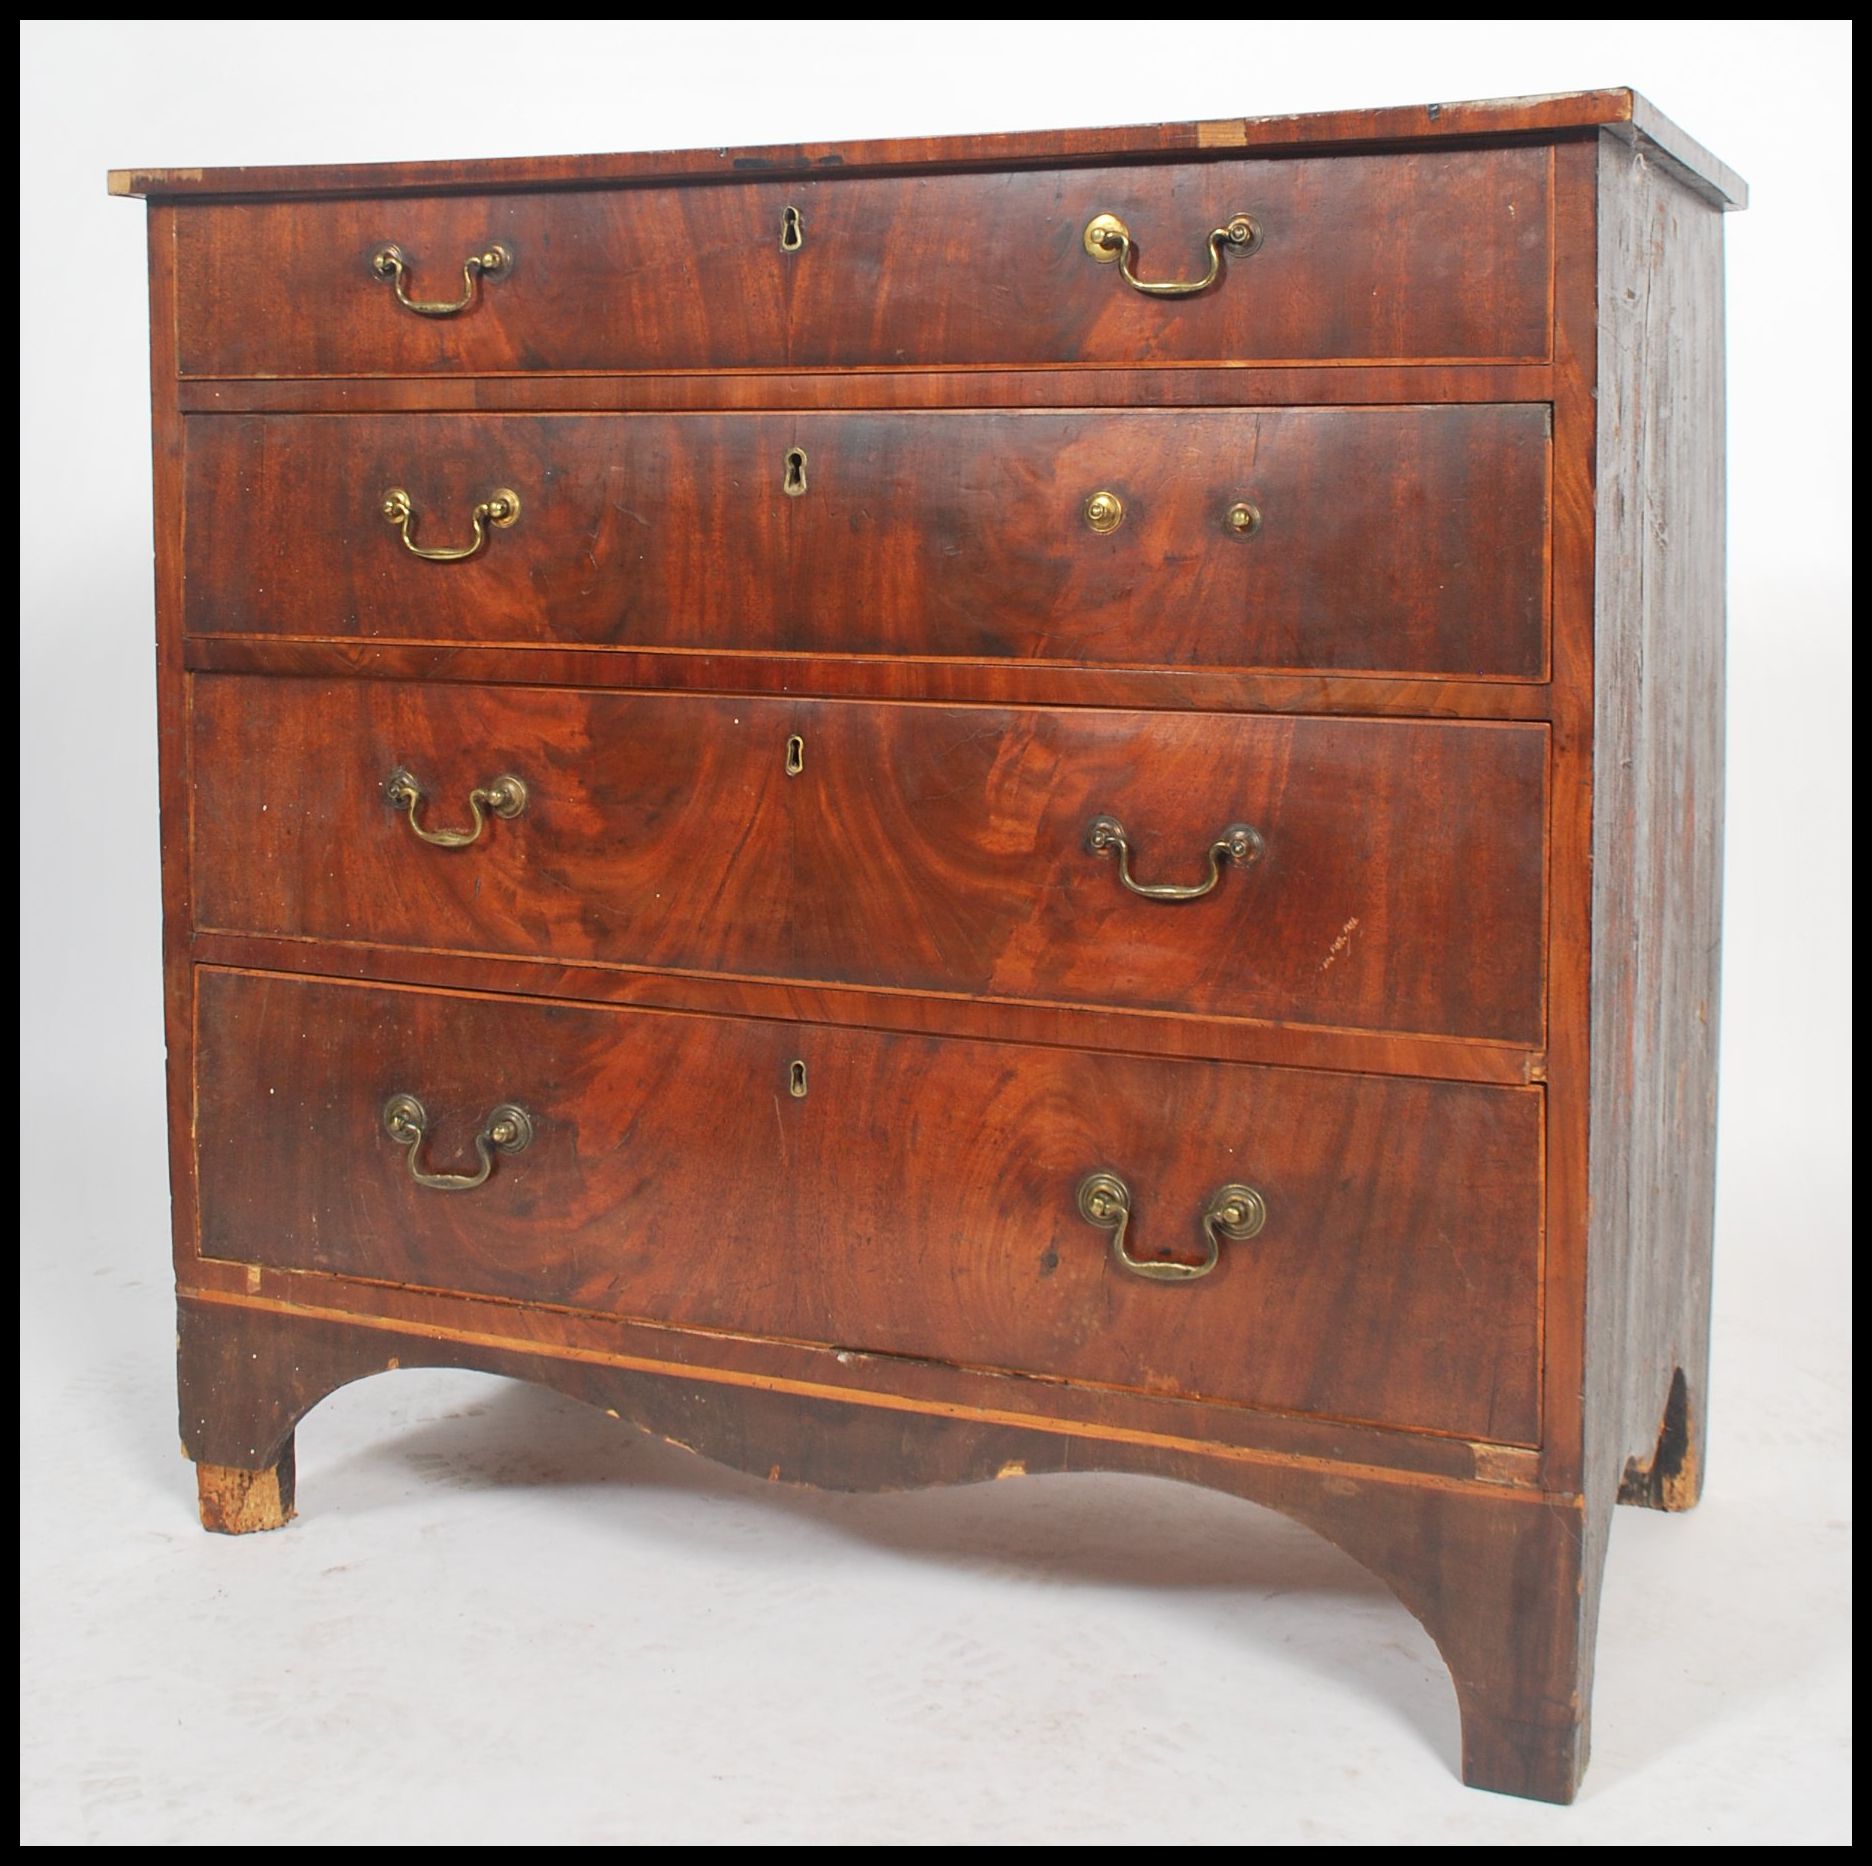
1440 256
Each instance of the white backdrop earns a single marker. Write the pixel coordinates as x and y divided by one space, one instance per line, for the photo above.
453 1645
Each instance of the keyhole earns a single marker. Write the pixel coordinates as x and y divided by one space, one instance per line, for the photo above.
796 1081
792 231
795 481
795 755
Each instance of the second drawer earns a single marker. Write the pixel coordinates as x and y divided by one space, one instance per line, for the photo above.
1361 874
1370 540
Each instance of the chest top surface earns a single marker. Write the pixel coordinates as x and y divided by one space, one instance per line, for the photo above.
1620 110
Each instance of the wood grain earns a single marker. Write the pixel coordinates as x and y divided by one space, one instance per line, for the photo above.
944 1013
870 677
174 777
918 1199
1228 385
1567 1065
1657 843
1438 255
1407 540
888 1383
940 848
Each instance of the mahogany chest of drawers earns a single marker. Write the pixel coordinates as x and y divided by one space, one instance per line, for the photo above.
925 811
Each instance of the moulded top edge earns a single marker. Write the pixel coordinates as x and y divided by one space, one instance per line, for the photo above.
1622 111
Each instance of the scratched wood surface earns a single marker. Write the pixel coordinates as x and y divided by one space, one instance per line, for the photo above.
1432 255
918 1198
1399 887
1657 845
1410 539
853 1377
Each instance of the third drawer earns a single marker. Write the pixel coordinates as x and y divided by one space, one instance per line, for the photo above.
1383 875
1407 540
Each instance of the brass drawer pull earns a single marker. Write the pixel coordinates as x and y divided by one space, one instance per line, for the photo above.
506 797
492 262
1234 1212
507 1129
1238 844
1108 239
500 507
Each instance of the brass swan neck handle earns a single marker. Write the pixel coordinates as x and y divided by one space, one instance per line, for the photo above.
1109 241
500 508
508 1129
1238 843
1233 1212
390 262
504 797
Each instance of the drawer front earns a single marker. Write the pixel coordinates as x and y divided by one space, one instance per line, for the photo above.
1409 540
921 1197
1397 884
1433 255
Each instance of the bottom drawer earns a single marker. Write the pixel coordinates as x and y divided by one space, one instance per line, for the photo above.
903 1195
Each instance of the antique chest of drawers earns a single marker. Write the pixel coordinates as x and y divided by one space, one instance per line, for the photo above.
926 811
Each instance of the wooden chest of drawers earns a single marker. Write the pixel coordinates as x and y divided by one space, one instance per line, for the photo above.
935 810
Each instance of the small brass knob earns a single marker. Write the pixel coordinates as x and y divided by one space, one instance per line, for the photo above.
1244 519
1104 511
